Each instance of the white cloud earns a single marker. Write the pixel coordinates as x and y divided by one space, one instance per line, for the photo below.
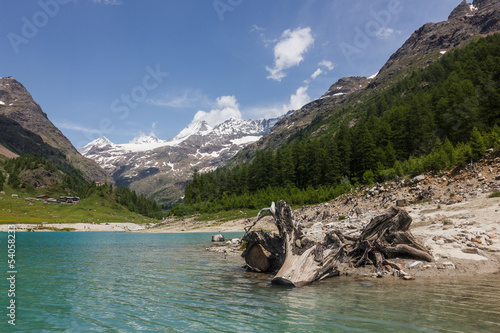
257 28
386 33
227 107
316 73
153 128
262 35
73 127
289 51
296 101
327 64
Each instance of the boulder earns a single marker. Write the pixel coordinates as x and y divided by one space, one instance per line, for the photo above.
217 238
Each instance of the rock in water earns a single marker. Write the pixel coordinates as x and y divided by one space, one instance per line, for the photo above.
217 238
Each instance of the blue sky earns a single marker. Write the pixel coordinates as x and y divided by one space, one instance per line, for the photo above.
120 68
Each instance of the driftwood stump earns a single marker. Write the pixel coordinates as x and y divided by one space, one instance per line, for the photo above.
297 261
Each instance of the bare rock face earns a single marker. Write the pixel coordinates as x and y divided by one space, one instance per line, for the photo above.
461 10
18 105
465 22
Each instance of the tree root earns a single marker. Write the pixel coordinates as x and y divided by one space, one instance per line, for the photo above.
297 262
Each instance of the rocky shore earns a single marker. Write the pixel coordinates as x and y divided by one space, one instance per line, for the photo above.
454 215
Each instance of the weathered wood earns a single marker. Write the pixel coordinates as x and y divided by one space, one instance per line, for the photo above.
273 246
388 236
298 261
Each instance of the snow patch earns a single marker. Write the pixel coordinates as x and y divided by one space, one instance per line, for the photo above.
245 140
2 103
443 51
373 76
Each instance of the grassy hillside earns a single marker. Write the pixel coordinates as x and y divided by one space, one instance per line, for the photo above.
92 209
28 176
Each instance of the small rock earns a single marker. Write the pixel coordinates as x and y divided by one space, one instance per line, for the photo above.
476 240
449 264
408 277
470 250
418 179
440 242
492 249
415 264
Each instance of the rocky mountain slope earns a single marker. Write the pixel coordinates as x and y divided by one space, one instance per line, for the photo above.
160 168
19 110
426 45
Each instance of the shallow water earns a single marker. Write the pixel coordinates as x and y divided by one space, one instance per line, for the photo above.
125 282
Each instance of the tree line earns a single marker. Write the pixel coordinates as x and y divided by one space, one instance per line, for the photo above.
444 115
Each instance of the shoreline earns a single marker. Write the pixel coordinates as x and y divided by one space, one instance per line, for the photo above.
73 227
463 233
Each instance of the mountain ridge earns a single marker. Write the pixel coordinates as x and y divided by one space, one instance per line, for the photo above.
160 168
426 45
18 105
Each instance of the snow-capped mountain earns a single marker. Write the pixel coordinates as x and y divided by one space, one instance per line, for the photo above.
198 128
160 168
102 142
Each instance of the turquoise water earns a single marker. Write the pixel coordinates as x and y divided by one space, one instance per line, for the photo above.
124 282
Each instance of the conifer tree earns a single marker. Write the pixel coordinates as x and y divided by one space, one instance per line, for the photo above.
477 145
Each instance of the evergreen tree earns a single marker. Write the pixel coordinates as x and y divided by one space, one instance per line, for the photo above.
477 145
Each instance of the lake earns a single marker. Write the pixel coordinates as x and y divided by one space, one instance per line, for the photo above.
131 282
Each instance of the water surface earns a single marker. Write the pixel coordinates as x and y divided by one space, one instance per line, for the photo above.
125 282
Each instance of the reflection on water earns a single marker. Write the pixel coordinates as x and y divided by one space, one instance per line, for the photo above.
167 282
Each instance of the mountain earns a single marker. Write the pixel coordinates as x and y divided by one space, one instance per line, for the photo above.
35 133
160 168
425 46
434 107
